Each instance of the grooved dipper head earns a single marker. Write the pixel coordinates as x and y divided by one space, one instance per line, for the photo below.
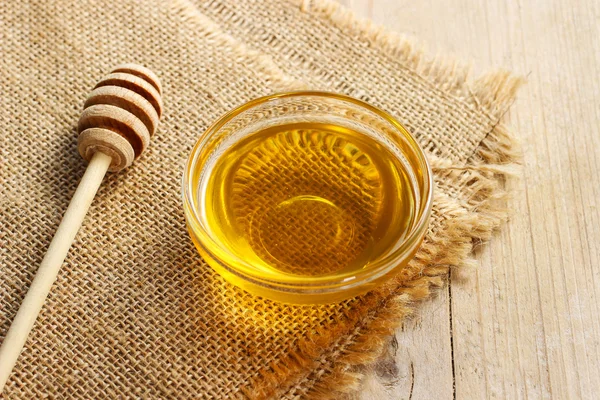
120 115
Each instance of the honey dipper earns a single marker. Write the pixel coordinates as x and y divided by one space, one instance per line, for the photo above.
119 117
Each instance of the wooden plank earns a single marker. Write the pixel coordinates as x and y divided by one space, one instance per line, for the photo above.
420 348
525 323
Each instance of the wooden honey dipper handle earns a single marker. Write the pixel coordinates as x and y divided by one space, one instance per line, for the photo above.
119 117
48 270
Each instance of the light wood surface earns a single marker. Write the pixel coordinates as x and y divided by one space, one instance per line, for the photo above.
525 323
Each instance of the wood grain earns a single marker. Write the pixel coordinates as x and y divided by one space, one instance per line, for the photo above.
525 323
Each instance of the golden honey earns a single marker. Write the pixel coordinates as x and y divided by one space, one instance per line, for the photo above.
308 199
305 209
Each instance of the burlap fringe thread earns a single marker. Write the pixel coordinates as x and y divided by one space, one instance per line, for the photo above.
330 363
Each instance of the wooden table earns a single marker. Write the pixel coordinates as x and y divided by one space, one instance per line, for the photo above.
526 322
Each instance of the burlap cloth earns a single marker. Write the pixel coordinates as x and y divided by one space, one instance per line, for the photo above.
135 312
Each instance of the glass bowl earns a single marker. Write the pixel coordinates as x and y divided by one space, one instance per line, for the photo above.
247 187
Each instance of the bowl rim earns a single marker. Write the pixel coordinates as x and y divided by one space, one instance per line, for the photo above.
296 282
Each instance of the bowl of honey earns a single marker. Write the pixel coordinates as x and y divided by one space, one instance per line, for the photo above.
307 197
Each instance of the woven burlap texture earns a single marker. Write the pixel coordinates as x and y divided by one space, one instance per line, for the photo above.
135 312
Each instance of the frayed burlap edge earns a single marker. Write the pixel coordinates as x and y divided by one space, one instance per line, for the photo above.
331 362
490 93
253 59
